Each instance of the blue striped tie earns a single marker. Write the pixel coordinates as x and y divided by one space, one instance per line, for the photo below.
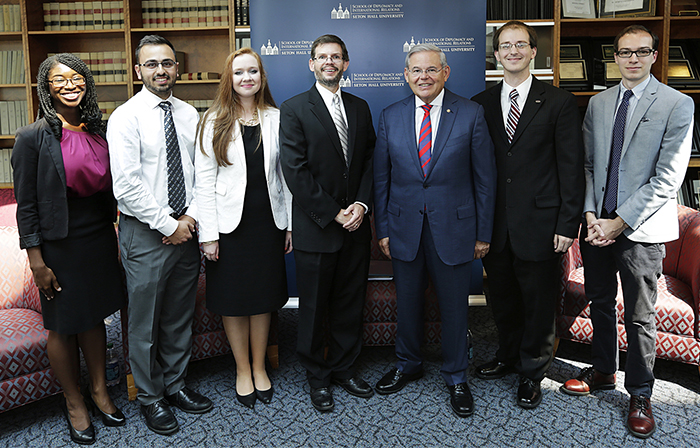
425 139
610 197
176 180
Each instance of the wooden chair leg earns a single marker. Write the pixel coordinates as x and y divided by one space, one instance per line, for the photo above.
273 356
131 387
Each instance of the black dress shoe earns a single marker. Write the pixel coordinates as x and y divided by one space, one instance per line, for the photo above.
190 401
246 400
355 386
84 437
461 400
265 395
322 399
529 393
394 380
493 370
160 418
114 419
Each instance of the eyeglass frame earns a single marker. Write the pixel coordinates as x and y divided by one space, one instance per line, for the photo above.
416 72
335 58
636 53
81 81
158 64
521 45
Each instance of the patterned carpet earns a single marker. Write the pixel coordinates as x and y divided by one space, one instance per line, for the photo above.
418 416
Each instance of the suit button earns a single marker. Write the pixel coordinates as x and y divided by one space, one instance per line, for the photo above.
509 154
603 188
345 176
508 180
425 187
420 212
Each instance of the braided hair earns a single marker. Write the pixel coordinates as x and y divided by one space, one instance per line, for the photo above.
90 113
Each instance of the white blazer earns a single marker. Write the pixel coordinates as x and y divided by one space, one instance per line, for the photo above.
220 190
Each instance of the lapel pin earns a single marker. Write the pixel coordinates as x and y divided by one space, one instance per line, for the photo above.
538 101
449 111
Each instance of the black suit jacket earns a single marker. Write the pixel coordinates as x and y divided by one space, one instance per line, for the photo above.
540 174
315 170
40 185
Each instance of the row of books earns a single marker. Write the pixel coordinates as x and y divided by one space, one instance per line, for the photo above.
13 115
242 12
106 66
184 13
83 16
5 166
201 105
12 67
11 19
107 107
519 9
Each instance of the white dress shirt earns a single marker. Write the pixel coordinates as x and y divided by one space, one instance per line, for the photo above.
637 92
523 90
435 113
138 158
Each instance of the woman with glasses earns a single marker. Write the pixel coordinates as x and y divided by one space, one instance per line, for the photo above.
245 216
65 216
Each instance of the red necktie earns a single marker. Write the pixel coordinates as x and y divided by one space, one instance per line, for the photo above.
425 139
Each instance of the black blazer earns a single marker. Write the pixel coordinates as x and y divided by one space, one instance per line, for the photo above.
540 174
315 171
40 185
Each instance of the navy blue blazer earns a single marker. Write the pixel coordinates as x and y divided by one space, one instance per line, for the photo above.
458 193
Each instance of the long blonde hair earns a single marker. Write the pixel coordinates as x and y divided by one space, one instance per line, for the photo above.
227 107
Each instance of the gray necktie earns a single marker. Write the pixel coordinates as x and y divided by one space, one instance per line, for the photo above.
341 127
176 180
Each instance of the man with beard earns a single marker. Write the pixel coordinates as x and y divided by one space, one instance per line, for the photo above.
151 145
326 145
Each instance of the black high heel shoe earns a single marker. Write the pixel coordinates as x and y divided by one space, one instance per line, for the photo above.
84 437
246 400
265 395
114 419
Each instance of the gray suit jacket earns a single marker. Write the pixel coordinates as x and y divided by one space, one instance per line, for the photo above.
654 159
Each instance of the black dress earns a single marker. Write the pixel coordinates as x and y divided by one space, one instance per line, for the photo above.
249 277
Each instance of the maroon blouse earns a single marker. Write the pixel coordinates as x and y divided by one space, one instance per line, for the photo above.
86 162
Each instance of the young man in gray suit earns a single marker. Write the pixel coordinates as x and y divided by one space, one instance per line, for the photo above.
637 140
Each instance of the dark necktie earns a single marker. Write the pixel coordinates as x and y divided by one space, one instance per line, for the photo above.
425 139
176 180
610 197
513 115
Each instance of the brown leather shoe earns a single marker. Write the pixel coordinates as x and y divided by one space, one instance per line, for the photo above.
640 420
588 381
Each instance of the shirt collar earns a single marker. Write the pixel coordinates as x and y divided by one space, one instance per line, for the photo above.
436 102
523 89
637 90
326 94
153 100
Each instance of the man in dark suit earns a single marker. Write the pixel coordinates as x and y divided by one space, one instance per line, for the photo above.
536 131
637 138
326 144
435 186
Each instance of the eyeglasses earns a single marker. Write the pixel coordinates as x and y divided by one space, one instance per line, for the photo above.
505 46
432 71
152 65
60 81
335 58
641 53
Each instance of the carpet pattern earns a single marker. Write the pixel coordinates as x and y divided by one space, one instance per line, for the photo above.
418 416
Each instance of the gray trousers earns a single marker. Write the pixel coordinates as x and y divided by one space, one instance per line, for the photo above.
639 265
161 283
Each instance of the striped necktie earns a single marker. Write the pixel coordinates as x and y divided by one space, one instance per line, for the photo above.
341 127
425 139
513 115
176 180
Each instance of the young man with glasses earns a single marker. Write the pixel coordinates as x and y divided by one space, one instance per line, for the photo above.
435 189
536 130
326 144
637 139
151 144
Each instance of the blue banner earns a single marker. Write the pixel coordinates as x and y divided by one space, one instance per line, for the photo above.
378 36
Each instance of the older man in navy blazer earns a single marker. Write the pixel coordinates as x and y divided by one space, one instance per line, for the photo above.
637 138
435 189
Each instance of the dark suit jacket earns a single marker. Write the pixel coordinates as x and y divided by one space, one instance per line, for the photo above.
540 174
40 185
459 189
315 170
